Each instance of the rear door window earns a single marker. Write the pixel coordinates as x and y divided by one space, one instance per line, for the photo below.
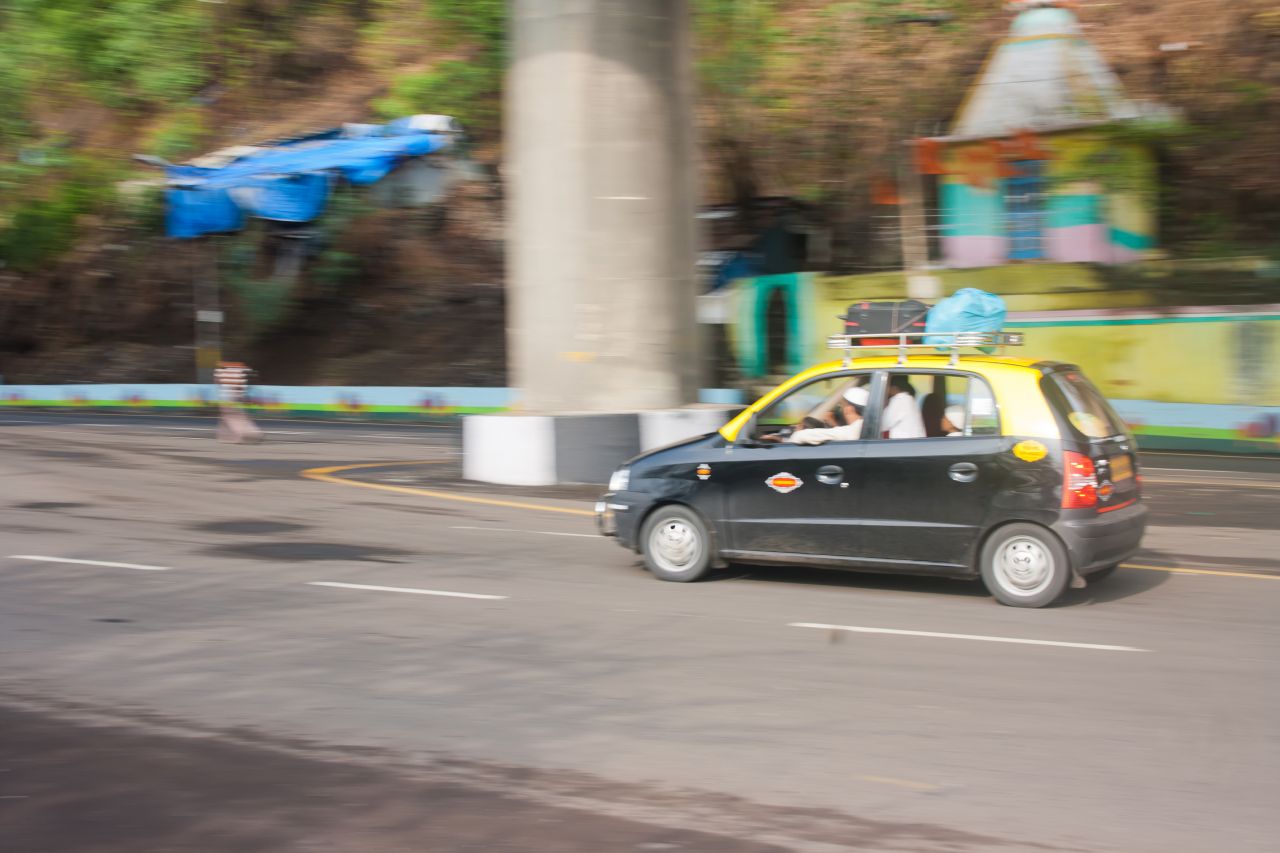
949 405
1083 407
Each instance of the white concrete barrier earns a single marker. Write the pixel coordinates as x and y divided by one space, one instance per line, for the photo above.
544 450
517 450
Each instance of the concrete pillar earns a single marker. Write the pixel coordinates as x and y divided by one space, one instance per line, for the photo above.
602 327
599 146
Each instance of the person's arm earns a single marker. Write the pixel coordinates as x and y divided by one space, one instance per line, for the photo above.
848 432
812 436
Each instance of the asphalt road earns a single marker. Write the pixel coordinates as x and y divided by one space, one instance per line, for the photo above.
385 658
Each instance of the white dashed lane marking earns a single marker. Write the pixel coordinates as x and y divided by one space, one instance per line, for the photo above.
533 532
406 589
859 629
37 558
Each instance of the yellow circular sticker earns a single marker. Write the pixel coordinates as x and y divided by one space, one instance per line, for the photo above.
1030 451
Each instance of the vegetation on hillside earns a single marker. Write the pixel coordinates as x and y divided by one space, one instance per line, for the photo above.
806 98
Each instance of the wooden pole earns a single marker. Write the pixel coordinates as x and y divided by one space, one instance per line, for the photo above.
208 309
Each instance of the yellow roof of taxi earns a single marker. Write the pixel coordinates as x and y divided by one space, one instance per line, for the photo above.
1011 377
929 360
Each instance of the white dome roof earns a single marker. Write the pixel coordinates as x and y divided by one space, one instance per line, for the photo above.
1045 22
1043 75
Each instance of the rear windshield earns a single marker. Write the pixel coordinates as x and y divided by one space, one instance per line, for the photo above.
1086 410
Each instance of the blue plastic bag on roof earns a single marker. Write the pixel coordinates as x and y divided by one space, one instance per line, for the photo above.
966 310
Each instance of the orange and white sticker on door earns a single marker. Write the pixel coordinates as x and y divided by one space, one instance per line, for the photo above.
784 482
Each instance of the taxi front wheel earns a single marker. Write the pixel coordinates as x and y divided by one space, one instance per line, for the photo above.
677 546
1024 565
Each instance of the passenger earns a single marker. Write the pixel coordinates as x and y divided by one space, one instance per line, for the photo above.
901 416
852 403
953 421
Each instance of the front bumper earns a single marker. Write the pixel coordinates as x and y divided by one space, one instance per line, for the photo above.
1105 540
606 520
618 516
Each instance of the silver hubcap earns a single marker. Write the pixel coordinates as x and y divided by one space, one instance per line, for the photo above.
1024 566
674 544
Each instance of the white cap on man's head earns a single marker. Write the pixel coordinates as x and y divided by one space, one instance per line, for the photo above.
858 395
955 414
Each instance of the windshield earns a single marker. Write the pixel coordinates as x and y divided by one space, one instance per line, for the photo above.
1084 408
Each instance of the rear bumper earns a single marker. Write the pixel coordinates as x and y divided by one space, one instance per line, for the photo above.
1105 540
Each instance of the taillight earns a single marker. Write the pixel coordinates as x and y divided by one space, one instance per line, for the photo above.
1079 481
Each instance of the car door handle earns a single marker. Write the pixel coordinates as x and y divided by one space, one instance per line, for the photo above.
963 472
832 475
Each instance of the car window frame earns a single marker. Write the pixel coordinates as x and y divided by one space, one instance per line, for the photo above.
1051 387
746 436
882 382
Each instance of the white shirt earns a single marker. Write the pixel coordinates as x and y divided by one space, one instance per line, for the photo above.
901 418
821 435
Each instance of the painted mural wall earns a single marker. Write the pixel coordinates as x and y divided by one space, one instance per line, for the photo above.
1178 375
288 400
351 401
1078 197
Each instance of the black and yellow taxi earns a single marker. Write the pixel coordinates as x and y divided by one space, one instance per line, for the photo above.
1014 470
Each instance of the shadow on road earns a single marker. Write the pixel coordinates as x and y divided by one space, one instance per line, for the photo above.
1121 584
114 790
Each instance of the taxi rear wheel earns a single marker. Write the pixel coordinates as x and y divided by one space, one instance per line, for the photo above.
1024 565
677 546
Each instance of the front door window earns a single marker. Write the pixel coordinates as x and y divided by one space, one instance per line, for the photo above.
833 405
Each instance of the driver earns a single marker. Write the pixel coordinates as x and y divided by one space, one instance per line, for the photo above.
852 404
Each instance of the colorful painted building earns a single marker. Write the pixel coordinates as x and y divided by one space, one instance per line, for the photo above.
1183 376
1042 162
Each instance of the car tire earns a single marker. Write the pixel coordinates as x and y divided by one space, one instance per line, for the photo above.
1024 565
676 543
1101 574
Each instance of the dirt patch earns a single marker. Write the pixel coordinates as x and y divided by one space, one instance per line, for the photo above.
249 527
305 552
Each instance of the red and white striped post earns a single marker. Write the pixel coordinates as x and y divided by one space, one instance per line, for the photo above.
234 423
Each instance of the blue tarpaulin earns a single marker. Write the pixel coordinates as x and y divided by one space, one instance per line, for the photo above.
966 310
288 182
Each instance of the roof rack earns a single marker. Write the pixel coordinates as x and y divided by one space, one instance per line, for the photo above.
953 341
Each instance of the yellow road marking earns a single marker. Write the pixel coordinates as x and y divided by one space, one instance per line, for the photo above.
1176 453
326 475
900 783
1243 484
1177 571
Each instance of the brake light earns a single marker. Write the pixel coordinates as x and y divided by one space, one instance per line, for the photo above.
1079 481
